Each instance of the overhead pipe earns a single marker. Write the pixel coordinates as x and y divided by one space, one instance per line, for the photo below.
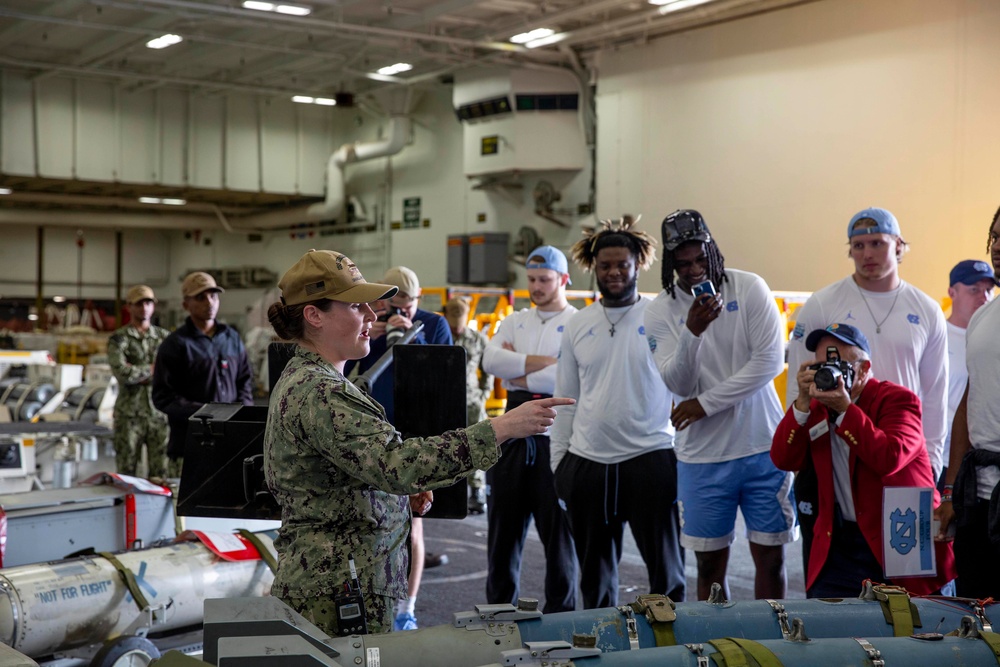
333 207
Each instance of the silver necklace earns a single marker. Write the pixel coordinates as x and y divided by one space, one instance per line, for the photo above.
604 309
878 325
545 320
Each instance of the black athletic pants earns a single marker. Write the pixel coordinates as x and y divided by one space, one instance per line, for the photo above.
521 487
976 556
600 499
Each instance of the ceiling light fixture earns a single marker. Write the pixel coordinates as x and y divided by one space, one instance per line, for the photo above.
164 41
163 200
545 41
667 6
395 69
58 299
294 10
322 101
5 191
532 35
280 8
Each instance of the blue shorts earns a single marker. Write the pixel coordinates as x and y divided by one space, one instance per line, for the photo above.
709 493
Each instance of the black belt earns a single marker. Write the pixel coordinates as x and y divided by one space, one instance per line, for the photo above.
516 398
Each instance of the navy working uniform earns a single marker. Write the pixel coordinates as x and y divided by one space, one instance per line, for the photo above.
341 474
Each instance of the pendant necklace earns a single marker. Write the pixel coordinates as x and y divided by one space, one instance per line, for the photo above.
878 325
604 309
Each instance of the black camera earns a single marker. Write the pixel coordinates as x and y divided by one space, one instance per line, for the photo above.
384 317
832 370
392 334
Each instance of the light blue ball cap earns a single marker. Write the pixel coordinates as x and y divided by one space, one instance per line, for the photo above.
885 223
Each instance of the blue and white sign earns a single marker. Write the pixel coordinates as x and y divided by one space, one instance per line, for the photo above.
907 538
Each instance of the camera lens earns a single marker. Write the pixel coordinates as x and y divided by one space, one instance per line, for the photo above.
826 378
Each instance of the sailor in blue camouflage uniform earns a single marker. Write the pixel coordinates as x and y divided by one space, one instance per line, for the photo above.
131 353
339 470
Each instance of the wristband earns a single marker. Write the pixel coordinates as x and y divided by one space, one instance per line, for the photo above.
946 496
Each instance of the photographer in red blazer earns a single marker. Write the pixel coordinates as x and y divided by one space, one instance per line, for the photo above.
858 436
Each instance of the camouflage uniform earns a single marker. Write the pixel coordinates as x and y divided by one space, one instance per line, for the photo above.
341 474
478 383
478 386
131 353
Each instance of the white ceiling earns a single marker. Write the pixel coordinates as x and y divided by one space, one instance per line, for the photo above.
335 49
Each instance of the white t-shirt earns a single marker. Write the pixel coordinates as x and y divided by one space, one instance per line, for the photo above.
622 408
911 350
529 331
730 368
982 356
957 377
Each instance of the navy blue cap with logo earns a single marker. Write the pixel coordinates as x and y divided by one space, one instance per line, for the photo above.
845 333
970 272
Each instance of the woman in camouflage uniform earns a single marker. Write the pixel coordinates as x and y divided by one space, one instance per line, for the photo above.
339 470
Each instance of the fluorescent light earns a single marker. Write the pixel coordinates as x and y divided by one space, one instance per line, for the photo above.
283 8
395 69
5 191
294 10
322 101
677 5
531 35
58 299
165 200
164 41
545 41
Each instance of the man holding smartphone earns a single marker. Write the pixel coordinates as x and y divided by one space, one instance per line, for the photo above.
717 341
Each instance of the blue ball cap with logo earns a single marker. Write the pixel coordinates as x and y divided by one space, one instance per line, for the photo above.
548 257
970 272
885 223
842 332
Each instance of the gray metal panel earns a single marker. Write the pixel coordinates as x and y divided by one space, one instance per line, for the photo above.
51 524
458 259
488 258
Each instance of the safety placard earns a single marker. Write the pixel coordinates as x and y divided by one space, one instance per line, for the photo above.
907 538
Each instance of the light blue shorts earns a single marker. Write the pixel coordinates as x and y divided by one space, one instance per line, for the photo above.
709 493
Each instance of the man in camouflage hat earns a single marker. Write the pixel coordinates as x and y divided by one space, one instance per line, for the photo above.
131 352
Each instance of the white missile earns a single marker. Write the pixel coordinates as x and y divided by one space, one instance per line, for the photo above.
47 608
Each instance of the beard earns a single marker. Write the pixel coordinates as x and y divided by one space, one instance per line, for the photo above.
617 295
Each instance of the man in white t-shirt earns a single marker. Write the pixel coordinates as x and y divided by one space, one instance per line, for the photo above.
523 354
972 484
970 287
905 327
612 452
718 345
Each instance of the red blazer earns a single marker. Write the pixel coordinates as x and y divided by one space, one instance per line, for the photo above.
884 433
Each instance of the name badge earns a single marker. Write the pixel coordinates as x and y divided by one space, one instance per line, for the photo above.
819 429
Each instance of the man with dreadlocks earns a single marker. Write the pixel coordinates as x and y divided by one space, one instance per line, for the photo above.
972 482
613 457
718 352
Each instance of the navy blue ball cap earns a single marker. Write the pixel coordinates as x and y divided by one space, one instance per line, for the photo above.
842 332
970 272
